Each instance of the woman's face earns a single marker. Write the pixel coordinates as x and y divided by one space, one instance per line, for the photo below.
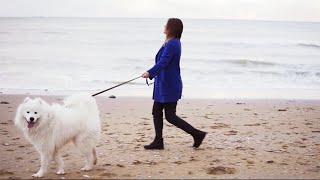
165 29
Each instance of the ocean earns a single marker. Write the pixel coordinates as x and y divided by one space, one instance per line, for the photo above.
220 58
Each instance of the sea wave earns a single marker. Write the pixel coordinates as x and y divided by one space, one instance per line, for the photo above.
274 73
244 67
246 62
54 32
309 45
116 82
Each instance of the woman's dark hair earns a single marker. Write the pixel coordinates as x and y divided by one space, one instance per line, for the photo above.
174 28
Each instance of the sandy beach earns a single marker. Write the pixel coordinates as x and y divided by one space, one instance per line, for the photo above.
246 139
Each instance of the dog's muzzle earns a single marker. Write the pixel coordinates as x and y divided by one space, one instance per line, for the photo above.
30 122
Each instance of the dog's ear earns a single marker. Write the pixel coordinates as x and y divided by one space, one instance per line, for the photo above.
27 99
40 101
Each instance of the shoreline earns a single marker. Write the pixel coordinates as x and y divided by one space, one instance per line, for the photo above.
217 93
58 98
246 139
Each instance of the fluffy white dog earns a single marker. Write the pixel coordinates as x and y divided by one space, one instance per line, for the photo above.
50 127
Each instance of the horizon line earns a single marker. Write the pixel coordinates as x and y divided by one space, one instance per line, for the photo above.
196 18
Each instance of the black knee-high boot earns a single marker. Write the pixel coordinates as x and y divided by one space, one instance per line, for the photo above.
156 144
158 126
198 137
170 112
158 140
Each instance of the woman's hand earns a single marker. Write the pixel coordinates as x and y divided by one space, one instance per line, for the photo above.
146 75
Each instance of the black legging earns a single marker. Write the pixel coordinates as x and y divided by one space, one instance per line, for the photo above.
170 114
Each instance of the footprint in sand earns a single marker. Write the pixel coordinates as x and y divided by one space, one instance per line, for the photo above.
315 169
250 162
255 124
140 140
308 123
6 173
120 165
230 133
208 116
179 162
219 125
283 164
107 175
143 123
192 159
219 170
241 148
137 162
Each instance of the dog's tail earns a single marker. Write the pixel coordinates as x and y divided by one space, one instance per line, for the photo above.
84 101
95 159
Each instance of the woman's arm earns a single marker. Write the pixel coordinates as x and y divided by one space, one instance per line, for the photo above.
164 61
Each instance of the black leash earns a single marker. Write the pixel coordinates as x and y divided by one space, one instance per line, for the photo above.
116 86
149 84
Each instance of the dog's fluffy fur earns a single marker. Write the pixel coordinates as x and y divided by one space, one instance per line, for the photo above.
50 127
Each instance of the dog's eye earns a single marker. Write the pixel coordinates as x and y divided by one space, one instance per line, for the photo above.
35 112
28 112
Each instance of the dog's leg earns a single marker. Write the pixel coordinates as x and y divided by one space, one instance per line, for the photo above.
89 159
89 162
57 158
45 159
95 159
86 149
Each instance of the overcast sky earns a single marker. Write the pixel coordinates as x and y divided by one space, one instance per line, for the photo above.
288 10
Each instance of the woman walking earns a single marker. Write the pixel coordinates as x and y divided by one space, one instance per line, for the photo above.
168 86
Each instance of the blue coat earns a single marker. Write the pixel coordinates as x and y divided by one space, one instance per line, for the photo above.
166 72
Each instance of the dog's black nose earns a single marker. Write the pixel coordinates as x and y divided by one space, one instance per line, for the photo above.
31 119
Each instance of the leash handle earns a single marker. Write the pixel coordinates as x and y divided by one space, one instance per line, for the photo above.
116 86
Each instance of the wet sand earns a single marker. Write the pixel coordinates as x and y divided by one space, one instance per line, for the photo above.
246 139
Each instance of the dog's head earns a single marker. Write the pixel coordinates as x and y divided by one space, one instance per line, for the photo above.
32 111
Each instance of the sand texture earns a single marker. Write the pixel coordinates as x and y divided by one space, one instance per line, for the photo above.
246 139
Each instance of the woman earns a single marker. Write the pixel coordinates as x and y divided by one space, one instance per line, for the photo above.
168 86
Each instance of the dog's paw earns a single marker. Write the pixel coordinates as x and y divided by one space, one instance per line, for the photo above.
38 175
61 172
86 168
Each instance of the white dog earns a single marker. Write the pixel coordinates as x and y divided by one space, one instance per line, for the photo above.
50 127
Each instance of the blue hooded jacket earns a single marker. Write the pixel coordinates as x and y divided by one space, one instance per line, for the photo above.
166 72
